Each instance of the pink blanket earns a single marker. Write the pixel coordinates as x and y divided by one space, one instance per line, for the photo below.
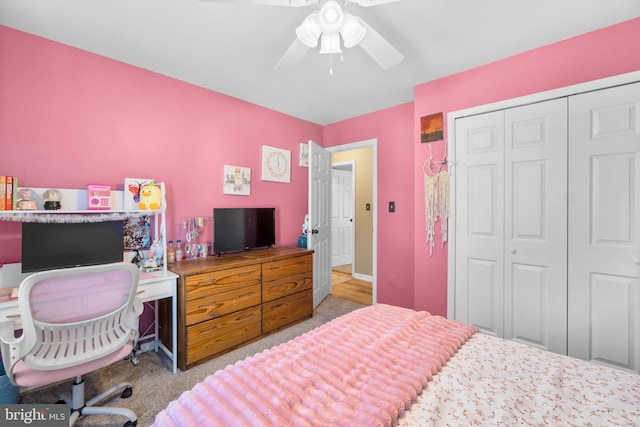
364 368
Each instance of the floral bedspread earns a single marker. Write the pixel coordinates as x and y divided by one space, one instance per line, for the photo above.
492 381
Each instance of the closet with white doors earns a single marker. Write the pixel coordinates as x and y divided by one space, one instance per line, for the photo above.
547 224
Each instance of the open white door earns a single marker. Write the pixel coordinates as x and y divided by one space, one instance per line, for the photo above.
342 229
320 220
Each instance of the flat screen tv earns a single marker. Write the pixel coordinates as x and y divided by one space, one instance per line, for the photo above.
47 246
240 229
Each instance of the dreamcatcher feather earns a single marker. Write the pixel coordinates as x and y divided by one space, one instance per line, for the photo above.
436 200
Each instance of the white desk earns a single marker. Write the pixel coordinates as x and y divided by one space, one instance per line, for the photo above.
151 288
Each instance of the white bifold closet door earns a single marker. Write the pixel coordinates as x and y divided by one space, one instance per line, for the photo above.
604 227
511 222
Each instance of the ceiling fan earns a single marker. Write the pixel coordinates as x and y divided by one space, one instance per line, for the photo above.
332 28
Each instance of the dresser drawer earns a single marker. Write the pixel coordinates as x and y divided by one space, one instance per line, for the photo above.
286 286
221 281
275 270
287 310
221 303
215 336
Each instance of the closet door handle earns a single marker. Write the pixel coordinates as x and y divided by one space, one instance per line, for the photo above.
513 251
636 260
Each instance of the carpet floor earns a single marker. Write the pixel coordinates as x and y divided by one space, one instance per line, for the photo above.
154 386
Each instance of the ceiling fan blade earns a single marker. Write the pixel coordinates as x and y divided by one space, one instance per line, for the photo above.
294 55
379 48
289 3
367 3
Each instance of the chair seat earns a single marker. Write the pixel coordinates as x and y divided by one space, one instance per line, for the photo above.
25 376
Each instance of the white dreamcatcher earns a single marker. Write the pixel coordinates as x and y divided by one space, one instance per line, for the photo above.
436 198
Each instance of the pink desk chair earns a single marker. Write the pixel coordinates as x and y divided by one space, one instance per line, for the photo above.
74 321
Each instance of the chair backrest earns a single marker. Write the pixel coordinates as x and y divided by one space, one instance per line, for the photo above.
76 315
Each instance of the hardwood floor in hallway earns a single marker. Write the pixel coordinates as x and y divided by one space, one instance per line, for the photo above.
346 287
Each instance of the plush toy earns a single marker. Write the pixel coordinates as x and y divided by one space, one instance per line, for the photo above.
150 197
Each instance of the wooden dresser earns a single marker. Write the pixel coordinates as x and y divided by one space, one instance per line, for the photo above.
228 301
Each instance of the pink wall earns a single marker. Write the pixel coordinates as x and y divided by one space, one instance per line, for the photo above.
592 56
392 128
69 118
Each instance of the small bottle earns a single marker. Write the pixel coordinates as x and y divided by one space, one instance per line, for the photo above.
171 252
178 255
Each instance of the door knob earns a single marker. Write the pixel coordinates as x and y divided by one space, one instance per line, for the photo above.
314 231
513 251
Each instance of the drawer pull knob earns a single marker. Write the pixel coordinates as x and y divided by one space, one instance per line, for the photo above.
246 316
248 294
277 306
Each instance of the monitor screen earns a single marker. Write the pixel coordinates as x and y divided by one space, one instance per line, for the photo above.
47 246
238 229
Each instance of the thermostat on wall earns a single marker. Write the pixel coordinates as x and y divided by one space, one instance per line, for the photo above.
99 197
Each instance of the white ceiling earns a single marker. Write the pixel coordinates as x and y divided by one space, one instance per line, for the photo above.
233 48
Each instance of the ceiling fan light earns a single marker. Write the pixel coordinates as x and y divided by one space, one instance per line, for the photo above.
330 43
352 31
331 16
309 32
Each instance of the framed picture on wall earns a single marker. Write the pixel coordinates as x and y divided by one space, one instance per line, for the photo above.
431 128
276 164
304 155
237 180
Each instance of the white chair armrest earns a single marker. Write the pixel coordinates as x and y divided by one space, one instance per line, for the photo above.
10 346
138 307
7 332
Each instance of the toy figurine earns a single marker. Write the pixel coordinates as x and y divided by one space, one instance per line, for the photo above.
150 197
154 260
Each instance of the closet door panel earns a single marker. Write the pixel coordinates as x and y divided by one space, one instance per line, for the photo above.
480 217
604 227
535 224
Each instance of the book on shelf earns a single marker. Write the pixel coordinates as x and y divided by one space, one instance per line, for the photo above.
10 187
3 192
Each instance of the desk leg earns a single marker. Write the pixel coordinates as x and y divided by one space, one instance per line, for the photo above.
156 329
173 354
174 326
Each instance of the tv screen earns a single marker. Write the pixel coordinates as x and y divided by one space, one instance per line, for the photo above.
47 246
239 229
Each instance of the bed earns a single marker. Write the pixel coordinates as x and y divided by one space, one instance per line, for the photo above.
384 365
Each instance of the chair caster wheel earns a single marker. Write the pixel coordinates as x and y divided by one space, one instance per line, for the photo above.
127 392
130 424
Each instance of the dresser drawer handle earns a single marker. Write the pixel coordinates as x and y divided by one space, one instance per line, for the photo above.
248 294
246 316
276 306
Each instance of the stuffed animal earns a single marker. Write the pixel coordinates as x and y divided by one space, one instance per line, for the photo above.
150 197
